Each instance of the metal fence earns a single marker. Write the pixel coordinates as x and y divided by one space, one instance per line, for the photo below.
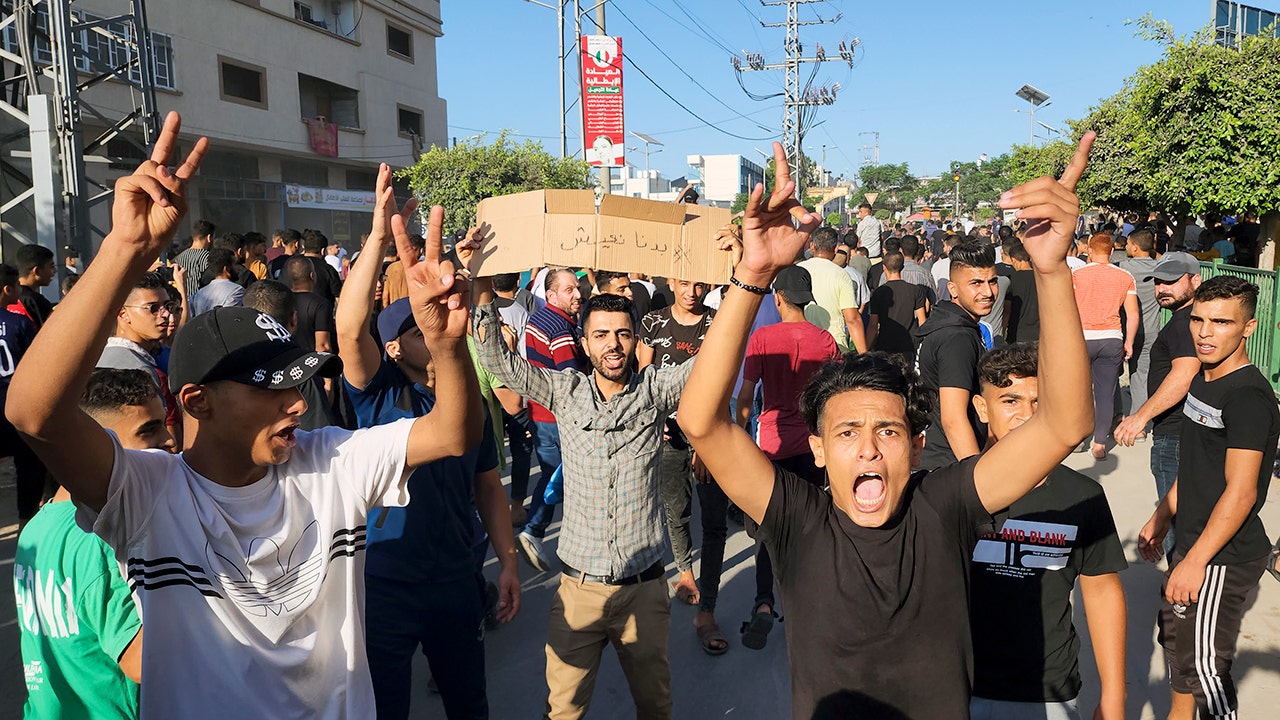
1261 346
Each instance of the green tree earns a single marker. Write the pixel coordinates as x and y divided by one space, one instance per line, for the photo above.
978 184
1195 132
739 202
895 184
459 177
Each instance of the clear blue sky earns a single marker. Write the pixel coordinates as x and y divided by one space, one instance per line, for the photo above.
936 79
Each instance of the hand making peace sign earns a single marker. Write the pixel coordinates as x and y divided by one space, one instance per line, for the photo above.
151 202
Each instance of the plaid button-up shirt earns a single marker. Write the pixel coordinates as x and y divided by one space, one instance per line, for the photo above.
610 451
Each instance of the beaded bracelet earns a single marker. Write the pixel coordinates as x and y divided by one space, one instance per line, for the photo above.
749 288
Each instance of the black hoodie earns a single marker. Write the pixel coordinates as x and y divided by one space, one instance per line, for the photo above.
948 347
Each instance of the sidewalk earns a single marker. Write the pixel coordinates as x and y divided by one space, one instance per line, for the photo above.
755 684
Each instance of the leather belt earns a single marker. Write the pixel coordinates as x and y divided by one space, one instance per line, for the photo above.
653 572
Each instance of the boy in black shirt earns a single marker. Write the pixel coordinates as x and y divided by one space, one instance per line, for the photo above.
874 570
1025 648
1227 452
36 270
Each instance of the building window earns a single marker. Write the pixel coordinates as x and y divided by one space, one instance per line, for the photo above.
321 98
339 17
400 42
361 180
408 121
223 164
95 52
242 83
304 173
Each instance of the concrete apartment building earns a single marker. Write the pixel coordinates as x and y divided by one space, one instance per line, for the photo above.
250 73
722 177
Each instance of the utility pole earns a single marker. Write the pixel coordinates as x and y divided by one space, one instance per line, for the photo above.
606 172
876 133
52 125
559 8
797 99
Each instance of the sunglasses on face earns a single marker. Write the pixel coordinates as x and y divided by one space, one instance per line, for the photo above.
154 308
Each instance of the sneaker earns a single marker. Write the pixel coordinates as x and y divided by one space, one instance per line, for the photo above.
530 548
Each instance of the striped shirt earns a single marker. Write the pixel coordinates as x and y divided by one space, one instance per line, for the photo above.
551 341
1101 290
609 449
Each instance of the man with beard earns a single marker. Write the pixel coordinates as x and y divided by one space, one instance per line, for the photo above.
610 423
1173 366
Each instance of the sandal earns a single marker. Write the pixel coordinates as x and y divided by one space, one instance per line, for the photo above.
712 640
755 632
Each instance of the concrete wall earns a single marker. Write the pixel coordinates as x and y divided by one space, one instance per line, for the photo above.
353 53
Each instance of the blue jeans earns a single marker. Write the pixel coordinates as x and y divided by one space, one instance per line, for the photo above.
1164 468
546 443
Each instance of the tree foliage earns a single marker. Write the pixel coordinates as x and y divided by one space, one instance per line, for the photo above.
978 184
1196 132
459 177
895 184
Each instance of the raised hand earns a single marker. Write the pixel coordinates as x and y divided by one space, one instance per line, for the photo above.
150 203
385 207
440 299
770 238
1050 208
729 239
467 248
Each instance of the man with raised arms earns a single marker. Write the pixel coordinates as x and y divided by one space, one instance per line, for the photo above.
873 571
245 553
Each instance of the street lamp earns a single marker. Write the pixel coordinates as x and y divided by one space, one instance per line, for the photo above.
559 8
647 140
1036 99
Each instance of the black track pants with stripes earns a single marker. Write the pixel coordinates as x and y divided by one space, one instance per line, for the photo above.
1199 639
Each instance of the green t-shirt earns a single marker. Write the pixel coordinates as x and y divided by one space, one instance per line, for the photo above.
75 617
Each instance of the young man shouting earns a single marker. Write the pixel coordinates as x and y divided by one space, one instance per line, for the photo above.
1226 455
873 571
1025 647
245 553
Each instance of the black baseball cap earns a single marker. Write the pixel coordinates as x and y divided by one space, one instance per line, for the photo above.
245 346
796 284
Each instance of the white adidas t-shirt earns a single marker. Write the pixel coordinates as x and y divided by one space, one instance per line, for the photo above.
252 599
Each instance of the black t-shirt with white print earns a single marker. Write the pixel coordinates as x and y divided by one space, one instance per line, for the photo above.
877 622
1025 648
1237 411
673 344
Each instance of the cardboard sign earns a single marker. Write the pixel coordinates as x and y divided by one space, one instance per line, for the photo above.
562 228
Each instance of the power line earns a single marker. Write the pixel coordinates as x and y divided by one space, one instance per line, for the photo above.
695 27
685 73
699 23
682 106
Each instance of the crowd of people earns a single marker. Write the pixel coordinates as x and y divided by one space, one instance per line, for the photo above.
286 464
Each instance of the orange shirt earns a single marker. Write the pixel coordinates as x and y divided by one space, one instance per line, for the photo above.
1100 293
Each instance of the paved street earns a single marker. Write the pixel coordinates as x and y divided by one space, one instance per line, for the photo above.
751 684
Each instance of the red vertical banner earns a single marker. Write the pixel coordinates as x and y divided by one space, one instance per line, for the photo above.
603 136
